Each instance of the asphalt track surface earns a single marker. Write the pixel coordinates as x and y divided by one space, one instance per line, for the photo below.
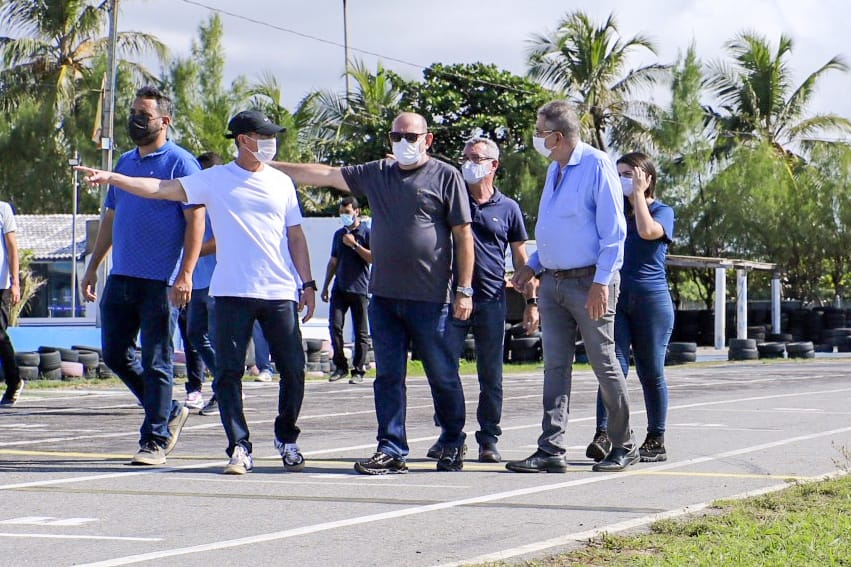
70 498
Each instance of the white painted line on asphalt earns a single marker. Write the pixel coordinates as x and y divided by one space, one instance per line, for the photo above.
362 481
72 536
579 537
416 510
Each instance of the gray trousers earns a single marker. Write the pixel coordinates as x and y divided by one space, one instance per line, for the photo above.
562 307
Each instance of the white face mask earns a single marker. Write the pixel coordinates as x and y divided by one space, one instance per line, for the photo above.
347 220
540 144
474 172
266 149
626 185
406 153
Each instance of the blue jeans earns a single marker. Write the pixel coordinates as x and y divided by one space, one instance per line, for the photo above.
394 324
135 306
261 349
194 362
644 321
201 325
235 317
487 324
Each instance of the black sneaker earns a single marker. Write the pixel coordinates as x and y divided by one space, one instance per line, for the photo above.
435 450
338 375
211 407
381 463
11 395
452 459
653 449
599 447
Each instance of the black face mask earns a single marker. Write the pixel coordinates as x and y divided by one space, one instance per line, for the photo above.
138 127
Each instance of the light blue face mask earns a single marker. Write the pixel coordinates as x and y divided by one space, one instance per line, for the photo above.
347 220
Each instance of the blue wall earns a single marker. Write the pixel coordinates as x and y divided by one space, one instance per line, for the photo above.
30 338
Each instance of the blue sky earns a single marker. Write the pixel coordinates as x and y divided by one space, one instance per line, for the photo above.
496 31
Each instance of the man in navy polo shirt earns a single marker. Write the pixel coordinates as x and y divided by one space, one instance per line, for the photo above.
349 266
497 223
146 238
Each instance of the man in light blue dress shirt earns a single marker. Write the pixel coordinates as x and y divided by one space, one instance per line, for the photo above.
580 235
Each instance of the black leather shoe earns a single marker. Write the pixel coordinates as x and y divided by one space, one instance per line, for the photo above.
488 453
539 461
435 450
452 459
617 460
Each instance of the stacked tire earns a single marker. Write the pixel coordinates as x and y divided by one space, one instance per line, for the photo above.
313 355
803 349
50 362
469 352
100 370
742 349
522 347
680 353
28 365
772 349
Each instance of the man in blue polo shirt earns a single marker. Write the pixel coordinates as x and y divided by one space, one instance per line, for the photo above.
349 267
146 238
497 223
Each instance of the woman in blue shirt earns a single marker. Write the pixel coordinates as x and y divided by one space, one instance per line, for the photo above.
644 317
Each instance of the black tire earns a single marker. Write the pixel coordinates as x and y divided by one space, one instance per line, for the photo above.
805 354
743 354
525 355
54 374
179 369
28 372
89 359
313 367
682 347
521 343
771 348
27 358
737 344
49 360
104 371
324 357
82 348
799 347
822 348
314 357
680 358
65 354
313 345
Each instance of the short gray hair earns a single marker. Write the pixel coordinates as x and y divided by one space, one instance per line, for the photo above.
560 116
493 149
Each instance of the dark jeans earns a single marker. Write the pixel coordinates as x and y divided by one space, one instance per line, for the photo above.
487 323
131 307
261 349
394 324
7 351
341 302
194 363
201 326
646 322
235 317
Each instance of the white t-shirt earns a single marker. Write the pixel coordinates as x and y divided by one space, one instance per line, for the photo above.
249 212
7 224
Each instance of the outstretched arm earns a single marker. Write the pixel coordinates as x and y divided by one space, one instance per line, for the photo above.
148 187
315 174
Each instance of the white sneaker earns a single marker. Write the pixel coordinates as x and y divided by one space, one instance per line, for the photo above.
194 400
291 456
240 461
264 376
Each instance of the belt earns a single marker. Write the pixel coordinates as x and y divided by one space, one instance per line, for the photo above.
573 272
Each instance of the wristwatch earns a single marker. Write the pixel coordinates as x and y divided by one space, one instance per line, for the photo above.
532 301
465 291
310 284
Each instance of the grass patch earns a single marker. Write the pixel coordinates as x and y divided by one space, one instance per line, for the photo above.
806 524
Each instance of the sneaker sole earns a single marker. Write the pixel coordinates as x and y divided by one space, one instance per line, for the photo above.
180 421
653 458
235 469
208 412
193 406
294 468
377 472
147 462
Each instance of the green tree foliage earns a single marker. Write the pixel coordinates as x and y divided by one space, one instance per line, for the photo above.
589 64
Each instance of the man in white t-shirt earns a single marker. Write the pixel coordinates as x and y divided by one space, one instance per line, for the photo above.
262 273
10 294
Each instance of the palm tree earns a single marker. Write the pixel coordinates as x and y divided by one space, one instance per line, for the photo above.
588 64
55 45
758 100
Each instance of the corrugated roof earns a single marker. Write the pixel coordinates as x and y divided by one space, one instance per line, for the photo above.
49 236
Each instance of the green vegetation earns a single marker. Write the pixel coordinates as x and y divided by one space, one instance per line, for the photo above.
805 525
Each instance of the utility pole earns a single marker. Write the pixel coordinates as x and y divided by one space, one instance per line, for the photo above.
346 50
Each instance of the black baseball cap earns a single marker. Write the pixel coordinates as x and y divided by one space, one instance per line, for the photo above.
252 121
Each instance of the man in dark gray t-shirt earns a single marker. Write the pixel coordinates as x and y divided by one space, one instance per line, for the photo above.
420 221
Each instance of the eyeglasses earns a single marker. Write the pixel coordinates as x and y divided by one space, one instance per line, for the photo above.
410 137
475 158
543 133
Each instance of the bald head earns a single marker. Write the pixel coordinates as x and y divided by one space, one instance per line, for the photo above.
410 122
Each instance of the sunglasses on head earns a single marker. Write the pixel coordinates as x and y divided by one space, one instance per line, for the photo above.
410 137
